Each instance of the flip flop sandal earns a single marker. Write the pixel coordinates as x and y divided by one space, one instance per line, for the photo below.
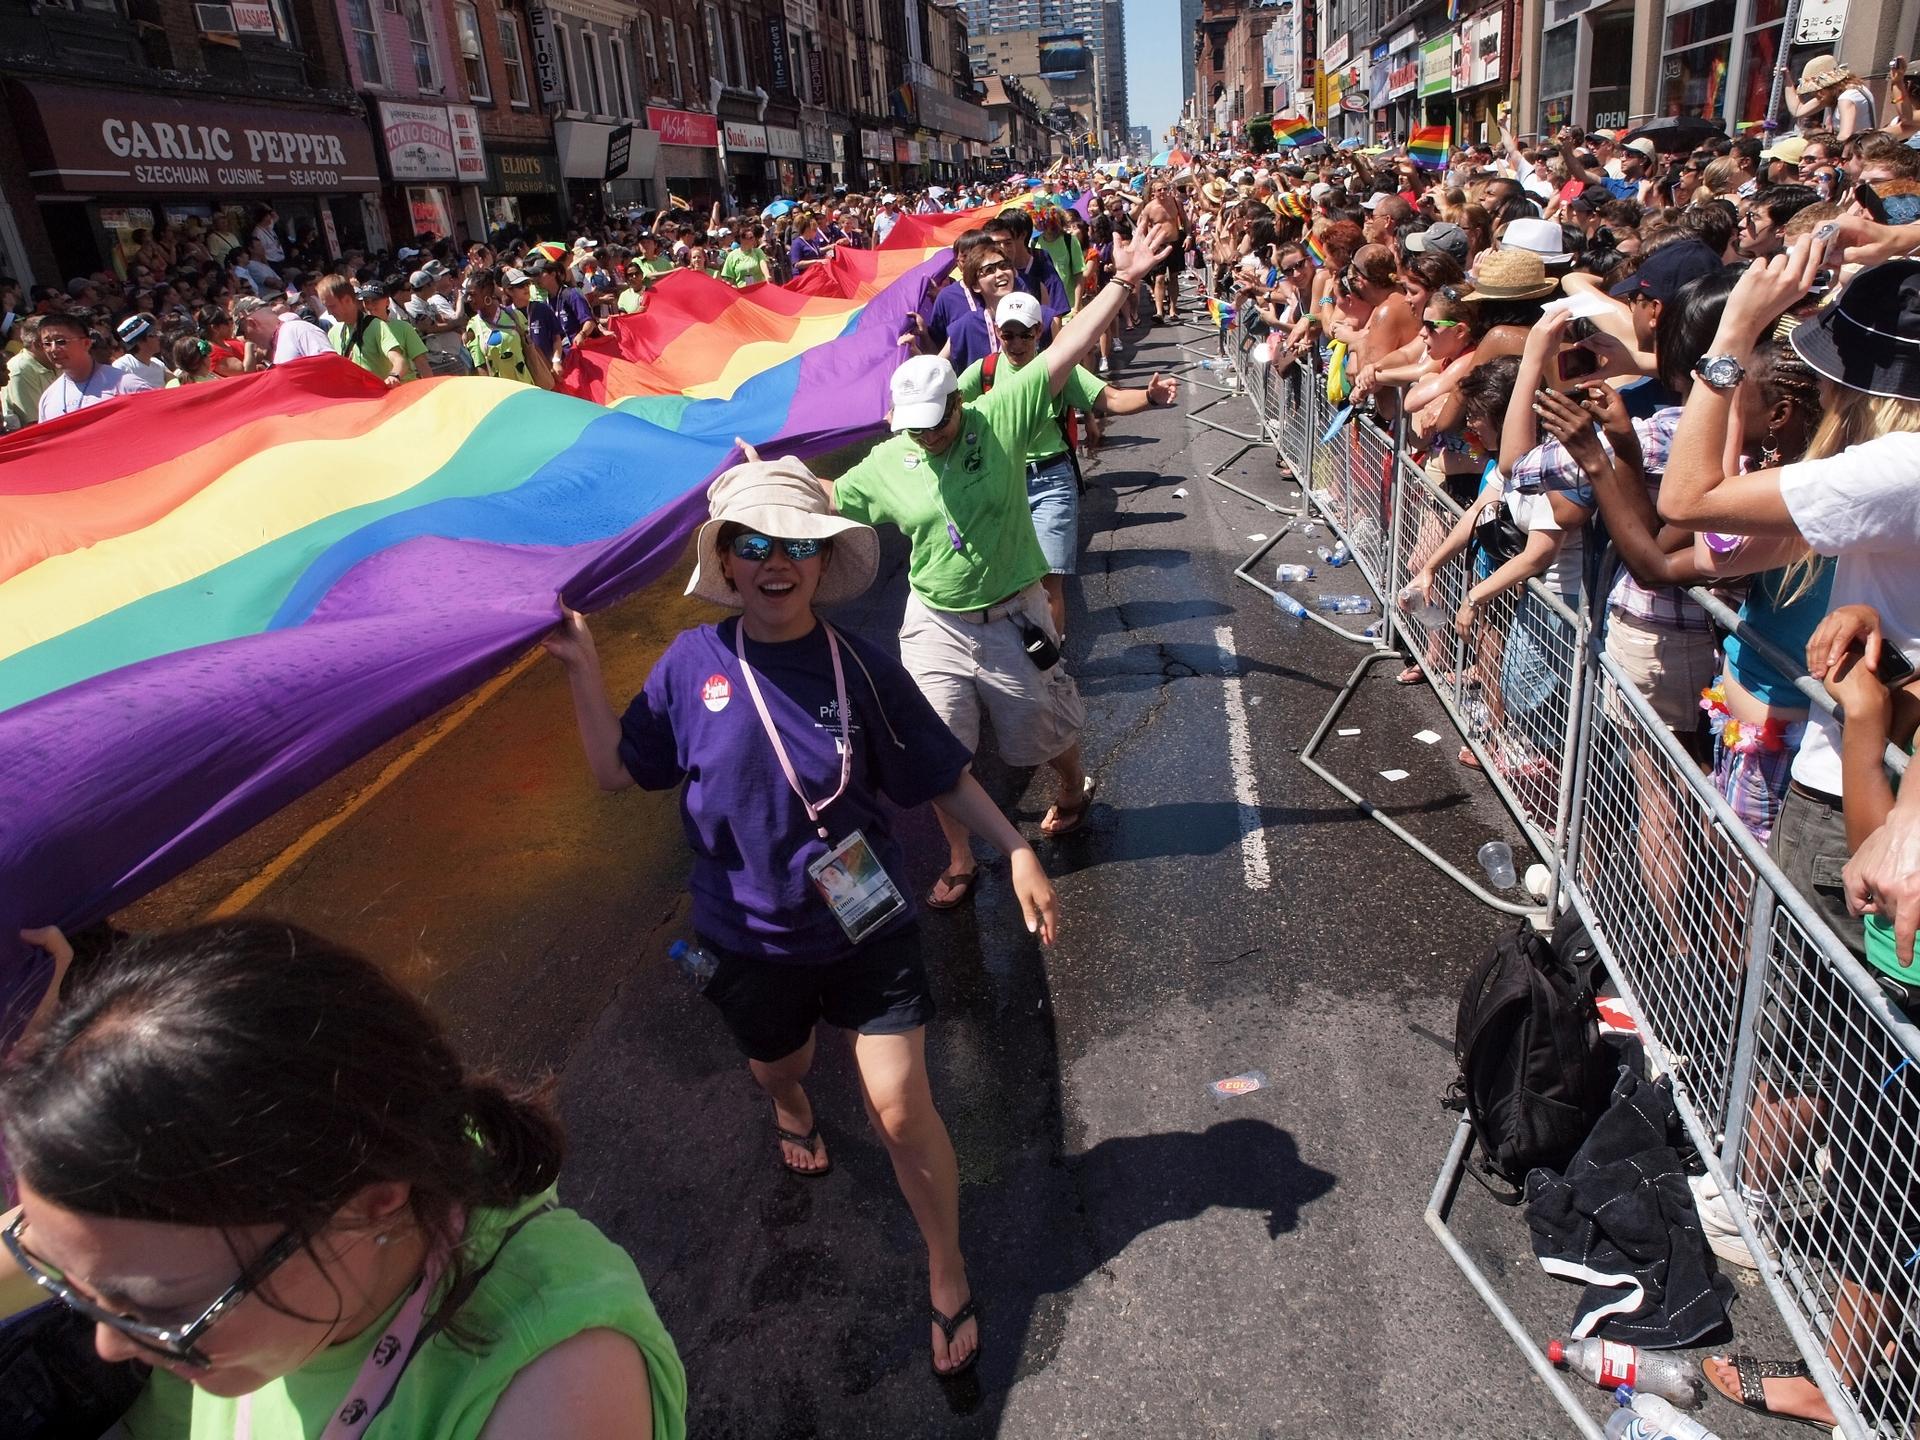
1068 821
809 1143
1412 675
1467 758
950 1323
1753 1396
966 880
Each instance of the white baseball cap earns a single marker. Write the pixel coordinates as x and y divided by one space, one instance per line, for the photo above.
1019 307
919 391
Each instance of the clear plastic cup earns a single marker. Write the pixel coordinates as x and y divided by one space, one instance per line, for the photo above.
1496 858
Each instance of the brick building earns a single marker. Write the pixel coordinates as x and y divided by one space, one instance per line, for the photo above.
210 108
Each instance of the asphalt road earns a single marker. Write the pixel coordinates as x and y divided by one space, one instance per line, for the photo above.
1151 1260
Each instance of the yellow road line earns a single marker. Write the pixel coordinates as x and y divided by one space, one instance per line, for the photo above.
265 877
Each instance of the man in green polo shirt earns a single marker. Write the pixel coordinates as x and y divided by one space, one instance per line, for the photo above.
379 299
360 335
1053 484
978 633
746 264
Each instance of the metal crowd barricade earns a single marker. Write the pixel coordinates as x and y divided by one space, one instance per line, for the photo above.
1797 1079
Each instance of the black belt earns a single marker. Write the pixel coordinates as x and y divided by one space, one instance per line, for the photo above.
1818 797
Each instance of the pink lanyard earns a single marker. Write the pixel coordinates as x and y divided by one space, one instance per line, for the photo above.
773 734
378 1376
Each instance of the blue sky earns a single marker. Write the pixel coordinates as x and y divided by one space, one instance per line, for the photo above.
1154 58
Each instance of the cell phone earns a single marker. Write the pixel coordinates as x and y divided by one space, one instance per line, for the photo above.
1894 668
1871 202
1577 362
1580 328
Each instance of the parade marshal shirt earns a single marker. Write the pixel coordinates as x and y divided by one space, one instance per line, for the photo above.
1081 392
751 838
979 486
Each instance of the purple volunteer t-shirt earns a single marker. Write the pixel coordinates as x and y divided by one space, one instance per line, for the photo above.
751 838
954 301
972 340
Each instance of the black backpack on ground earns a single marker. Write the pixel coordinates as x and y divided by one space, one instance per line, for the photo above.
1534 1073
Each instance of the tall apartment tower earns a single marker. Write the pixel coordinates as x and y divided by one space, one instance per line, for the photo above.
1189 21
1101 21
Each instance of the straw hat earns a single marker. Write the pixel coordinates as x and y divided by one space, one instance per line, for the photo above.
781 498
1511 275
1214 192
1820 72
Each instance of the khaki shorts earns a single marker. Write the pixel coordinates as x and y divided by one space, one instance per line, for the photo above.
1669 667
963 665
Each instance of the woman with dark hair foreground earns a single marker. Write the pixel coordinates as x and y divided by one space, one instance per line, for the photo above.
251 1161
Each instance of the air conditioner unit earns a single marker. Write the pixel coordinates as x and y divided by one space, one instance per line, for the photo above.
215 19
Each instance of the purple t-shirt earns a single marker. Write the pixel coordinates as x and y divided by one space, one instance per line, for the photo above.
751 839
805 249
562 315
972 340
954 301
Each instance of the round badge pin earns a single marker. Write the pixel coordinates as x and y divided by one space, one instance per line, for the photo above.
716 693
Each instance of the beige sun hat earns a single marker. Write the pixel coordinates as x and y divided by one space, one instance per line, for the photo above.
1511 275
1820 72
782 499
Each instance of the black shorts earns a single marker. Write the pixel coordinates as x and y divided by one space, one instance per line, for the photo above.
771 1006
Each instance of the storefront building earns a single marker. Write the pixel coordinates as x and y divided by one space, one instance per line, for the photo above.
1436 81
522 190
1586 65
1479 78
436 167
1395 106
752 175
1337 120
688 166
100 164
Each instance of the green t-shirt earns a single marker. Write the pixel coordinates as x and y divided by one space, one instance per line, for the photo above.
629 301
505 356
371 353
557 1277
1081 392
411 345
1068 259
652 268
979 486
741 269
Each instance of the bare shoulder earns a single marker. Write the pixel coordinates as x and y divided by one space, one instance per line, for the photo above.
593 1386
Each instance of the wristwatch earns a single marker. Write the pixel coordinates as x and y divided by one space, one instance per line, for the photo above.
1722 372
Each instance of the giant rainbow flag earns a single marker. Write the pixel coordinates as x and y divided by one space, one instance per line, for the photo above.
213 598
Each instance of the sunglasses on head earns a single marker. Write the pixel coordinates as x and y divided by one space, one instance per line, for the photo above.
759 548
1453 293
175 1342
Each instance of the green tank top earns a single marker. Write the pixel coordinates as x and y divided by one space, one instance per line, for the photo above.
557 1277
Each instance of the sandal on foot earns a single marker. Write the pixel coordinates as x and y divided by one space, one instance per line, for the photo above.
1752 1375
965 880
950 1323
810 1142
1067 820
1412 675
1467 758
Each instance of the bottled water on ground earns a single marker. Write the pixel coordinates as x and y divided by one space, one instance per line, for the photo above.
1346 604
695 962
1293 574
1290 605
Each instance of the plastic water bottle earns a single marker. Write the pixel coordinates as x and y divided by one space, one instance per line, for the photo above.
1346 604
1430 615
1608 1363
695 962
1648 1417
1290 605
1293 574
1337 556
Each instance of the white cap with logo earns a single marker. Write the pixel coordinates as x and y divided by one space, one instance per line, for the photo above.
1020 308
919 390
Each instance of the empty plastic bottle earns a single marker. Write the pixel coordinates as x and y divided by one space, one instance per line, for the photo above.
1293 574
695 962
1290 605
1430 615
1648 1417
1608 1363
1346 604
1336 556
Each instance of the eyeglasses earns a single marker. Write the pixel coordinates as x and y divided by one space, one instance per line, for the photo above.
1296 265
923 431
1432 325
1015 332
995 267
759 548
173 1342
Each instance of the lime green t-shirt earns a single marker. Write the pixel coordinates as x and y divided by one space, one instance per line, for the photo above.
630 301
505 357
979 486
411 345
741 269
651 269
557 1277
371 353
1068 258
1081 392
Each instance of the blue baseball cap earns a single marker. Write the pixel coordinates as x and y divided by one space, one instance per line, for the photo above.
1666 271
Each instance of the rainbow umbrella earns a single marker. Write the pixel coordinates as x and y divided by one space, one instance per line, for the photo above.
1165 157
550 250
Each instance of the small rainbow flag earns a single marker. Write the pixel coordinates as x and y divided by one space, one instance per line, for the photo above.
1429 145
1716 80
1295 130
1221 315
1315 253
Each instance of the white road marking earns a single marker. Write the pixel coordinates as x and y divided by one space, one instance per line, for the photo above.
1253 834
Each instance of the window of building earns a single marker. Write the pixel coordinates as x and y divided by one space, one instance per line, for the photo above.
563 52
512 60
652 57
619 98
593 91
366 42
716 45
466 24
420 42
670 57
742 67
693 62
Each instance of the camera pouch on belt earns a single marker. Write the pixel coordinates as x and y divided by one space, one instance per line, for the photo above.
1038 644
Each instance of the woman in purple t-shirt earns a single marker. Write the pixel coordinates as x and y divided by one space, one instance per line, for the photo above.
786 734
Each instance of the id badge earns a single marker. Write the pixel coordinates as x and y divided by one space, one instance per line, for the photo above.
856 887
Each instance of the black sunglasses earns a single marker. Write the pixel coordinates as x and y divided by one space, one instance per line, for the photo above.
759 548
175 1342
1015 331
994 267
